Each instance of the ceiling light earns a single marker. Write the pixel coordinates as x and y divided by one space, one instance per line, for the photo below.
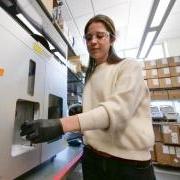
147 44
26 22
51 46
158 15
160 12
60 57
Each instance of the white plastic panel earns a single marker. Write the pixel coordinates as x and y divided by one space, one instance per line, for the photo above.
15 57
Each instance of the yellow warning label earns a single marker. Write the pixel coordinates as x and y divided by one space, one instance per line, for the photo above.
1 71
38 48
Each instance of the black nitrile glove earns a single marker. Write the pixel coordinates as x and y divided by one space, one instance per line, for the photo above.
42 130
75 109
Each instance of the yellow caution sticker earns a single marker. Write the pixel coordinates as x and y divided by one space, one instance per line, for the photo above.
38 48
1 71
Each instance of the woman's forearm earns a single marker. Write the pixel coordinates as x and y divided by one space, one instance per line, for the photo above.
70 123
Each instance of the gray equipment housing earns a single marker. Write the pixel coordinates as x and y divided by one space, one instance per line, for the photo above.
33 86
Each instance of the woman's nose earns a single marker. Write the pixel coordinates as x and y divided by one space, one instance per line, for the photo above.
94 39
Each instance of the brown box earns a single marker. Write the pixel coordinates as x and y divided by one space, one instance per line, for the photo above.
78 68
171 134
177 148
172 153
175 158
153 154
165 82
159 95
162 63
163 72
174 94
166 134
152 95
144 74
153 83
49 5
162 153
74 59
151 74
150 64
142 64
175 71
175 81
174 61
157 132
175 134
145 81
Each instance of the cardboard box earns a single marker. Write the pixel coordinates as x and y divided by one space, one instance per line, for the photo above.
171 134
142 64
145 81
166 134
153 154
74 59
162 63
174 61
152 95
49 5
153 83
78 68
175 158
75 67
163 72
175 81
165 83
174 94
157 132
172 153
175 134
162 153
144 74
150 64
151 74
159 95
177 151
175 71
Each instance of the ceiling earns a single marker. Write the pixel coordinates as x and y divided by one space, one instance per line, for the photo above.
129 16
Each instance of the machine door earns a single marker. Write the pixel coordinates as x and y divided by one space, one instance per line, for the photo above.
22 95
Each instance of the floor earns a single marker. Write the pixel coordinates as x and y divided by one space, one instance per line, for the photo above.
166 173
50 168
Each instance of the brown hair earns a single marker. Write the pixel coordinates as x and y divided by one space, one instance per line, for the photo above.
112 58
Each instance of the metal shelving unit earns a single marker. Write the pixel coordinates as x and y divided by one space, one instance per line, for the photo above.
71 51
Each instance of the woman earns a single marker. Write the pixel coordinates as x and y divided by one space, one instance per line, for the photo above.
116 120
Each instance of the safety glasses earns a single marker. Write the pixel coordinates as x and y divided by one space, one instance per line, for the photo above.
98 35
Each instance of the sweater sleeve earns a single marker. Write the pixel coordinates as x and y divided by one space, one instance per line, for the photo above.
118 109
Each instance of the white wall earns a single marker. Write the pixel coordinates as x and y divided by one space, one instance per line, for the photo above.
172 47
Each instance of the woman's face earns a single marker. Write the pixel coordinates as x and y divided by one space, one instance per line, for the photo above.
98 42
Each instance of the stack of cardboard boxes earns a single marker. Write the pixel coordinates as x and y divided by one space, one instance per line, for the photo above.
58 13
48 5
75 62
163 77
166 150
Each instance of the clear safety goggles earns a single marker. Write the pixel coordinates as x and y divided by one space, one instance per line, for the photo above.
98 36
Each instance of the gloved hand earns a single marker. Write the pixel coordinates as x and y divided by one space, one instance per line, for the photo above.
75 109
42 130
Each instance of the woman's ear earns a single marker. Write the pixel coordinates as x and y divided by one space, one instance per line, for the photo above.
112 39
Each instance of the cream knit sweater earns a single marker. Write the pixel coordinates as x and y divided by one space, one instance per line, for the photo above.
116 111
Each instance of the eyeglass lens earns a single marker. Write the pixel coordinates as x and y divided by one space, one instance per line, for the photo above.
97 35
